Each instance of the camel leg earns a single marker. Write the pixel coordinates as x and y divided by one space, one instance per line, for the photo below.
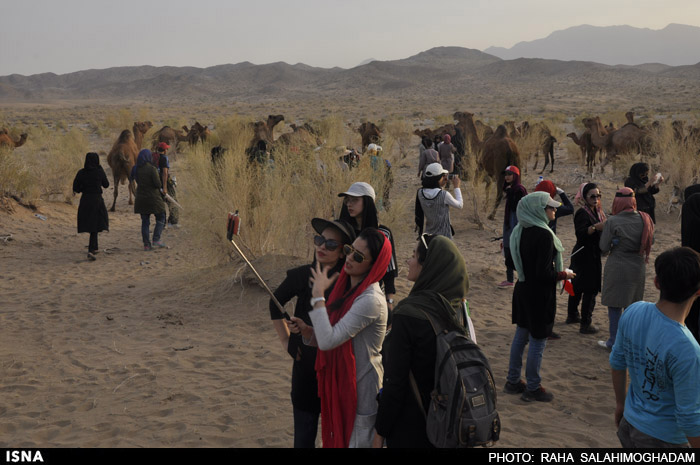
551 169
132 191
499 196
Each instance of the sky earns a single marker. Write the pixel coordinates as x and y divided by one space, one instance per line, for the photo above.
63 36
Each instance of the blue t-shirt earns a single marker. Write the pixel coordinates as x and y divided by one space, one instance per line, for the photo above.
663 361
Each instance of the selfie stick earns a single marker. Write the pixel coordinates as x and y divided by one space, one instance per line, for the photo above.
232 229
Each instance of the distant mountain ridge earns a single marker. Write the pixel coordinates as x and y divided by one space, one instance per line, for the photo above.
612 45
445 73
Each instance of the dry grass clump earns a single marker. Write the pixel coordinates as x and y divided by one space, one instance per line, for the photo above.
277 199
45 166
678 160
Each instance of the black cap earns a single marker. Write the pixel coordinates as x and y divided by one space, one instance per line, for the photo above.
348 233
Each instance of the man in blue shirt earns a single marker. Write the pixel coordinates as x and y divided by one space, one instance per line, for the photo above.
661 407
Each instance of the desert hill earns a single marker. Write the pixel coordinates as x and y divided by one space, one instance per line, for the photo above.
443 73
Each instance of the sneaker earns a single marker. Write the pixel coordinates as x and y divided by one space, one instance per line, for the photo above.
554 336
514 388
590 329
147 248
540 395
570 320
506 284
604 345
91 256
159 244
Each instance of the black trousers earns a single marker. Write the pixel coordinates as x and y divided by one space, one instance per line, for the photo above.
587 306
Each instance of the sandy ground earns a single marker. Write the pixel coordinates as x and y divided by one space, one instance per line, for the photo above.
145 349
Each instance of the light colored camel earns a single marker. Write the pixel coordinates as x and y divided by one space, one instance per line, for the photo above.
170 136
7 141
122 157
300 137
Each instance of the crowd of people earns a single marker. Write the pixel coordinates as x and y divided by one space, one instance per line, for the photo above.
155 195
365 364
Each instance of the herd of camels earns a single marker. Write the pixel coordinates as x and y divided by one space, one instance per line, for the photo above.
493 149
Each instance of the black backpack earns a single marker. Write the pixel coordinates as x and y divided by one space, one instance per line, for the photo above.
462 411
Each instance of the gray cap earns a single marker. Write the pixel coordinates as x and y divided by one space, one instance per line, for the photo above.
359 189
348 233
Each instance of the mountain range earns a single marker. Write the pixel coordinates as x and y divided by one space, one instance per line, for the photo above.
674 45
438 74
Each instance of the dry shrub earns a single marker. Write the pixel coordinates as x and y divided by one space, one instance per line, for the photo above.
478 195
45 166
678 160
275 200
400 133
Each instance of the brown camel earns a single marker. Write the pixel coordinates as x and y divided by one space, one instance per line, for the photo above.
301 136
170 136
588 150
465 123
371 134
544 142
264 130
498 152
628 139
196 133
122 158
7 141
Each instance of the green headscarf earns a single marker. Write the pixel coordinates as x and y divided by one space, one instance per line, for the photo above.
531 213
441 286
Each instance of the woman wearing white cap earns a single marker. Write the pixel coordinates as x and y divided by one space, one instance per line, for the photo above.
433 202
360 211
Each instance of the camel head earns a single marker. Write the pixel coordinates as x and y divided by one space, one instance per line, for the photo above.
273 120
142 126
460 116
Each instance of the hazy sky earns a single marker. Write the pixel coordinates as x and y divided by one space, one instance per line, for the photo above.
63 36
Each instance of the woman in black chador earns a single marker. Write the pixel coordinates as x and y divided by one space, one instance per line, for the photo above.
92 213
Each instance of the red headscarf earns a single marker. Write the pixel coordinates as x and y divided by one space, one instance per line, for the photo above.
624 201
335 368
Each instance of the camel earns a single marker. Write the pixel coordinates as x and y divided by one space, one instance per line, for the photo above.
513 132
629 138
465 123
7 141
371 134
122 158
301 136
588 150
484 130
498 152
264 131
544 142
196 133
170 136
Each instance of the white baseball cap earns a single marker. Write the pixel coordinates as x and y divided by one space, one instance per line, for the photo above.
359 189
435 169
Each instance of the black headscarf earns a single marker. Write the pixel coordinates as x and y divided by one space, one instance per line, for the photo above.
92 161
636 172
440 287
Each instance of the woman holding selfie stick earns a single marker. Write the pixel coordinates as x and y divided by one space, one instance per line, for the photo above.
433 202
349 331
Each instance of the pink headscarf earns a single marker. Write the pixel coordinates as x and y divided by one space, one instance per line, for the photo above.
625 201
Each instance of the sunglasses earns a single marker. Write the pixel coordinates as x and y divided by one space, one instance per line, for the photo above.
594 196
356 256
330 244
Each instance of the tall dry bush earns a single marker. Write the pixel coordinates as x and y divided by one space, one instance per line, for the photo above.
678 160
45 166
275 200
478 195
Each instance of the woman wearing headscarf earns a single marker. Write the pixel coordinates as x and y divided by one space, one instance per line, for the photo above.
514 191
447 153
440 275
644 188
149 199
329 240
537 257
92 213
349 331
628 235
360 211
690 237
585 260
566 207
